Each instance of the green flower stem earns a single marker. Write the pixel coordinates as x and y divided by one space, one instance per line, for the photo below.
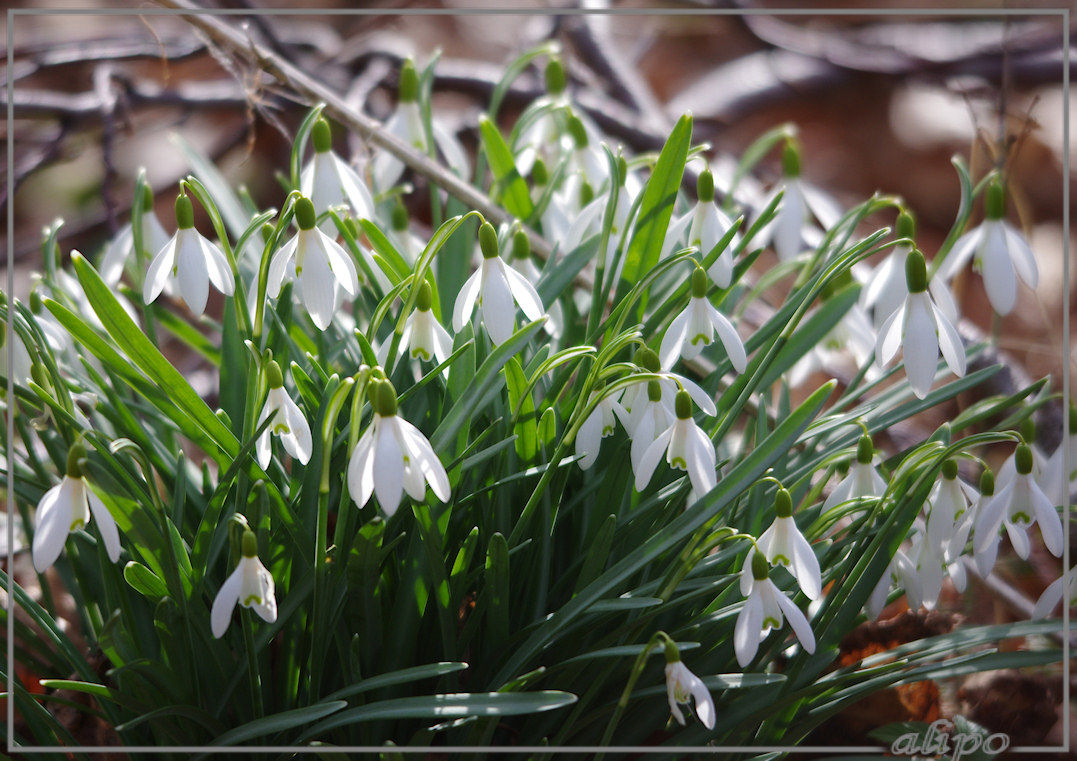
252 665
633 677
142 257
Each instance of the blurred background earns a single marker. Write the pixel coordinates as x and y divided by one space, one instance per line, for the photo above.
881 101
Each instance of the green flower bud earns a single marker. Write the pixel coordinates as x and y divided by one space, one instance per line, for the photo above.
683 405
760 567
949 470
488 241
304 214
864 450
249 543
577 131
521 245
400 217
555 77
540 175
699 283
383 398
425 300
184 212
995 200
1023 459
916 272
274 377
987 483
75 455
409 83
322 136
783 503
906 225
646 358
654 391
705 187
790 160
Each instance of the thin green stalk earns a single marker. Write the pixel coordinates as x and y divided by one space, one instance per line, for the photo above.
252 666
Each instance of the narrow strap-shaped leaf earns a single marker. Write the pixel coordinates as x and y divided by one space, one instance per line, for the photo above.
523 406
497 590
514 194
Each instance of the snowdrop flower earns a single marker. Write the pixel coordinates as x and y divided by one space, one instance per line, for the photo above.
686 448
783 544
154 238
853 336
67 507
423 336
863 479
1062 586
288 421
987 553
602 422
318 263
495 287
922 328
392 457
694 328
648 419
400 235
886 287
949 500
522 261
249 585
766 608
671 383
706 224
541 140
999 253
1058 478
190 262
900 572
682 687
329 182
1019 503
406 124
790 228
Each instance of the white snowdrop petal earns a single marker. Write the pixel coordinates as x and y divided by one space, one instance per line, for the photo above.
674 340
220 274
734 347
1024 261
498 308
52 524
361 468
798 621
106 525
191 271
960 254
465 300
920 344
651 458
278 267
318 287
746 630
388 467
340 263
889 338
159 271
1000 279
953 350
524 293
224 603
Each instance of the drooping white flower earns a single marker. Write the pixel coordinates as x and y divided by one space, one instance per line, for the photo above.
392 457
1018 503
703 227
998 251
1064 587
783 544
900 572
497 288
766 608
791 227
288 421
949 501
120 248
602 422
406 123
922 327
423 337
682 687
863 480
318 263
67 507
685 446
250 585
329 182
984 553
694 328
647 420
671 383
1057 477
190 262
522 261
886 288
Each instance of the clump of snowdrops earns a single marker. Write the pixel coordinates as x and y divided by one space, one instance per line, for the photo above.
448 488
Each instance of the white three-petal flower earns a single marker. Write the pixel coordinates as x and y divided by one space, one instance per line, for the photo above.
599 424
190 263
250 585
686 447
288 423
497 288
683 686
63 509
767 608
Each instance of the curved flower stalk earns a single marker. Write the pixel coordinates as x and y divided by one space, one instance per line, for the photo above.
423 337
922 328
695 327
250 585
863 479
886 288
406 123
783 544
329 182
703 227
67 507
190 263
766 608
496 287
1018 503
288 421
602 422
998 252
791 227
392 457
120 248
685 446
318 263
683 687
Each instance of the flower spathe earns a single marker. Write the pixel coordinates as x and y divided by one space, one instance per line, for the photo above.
190 262
250 585
766 608
683 687
288 422
392 457
497 288
922 328
694 328
318 263
67 507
